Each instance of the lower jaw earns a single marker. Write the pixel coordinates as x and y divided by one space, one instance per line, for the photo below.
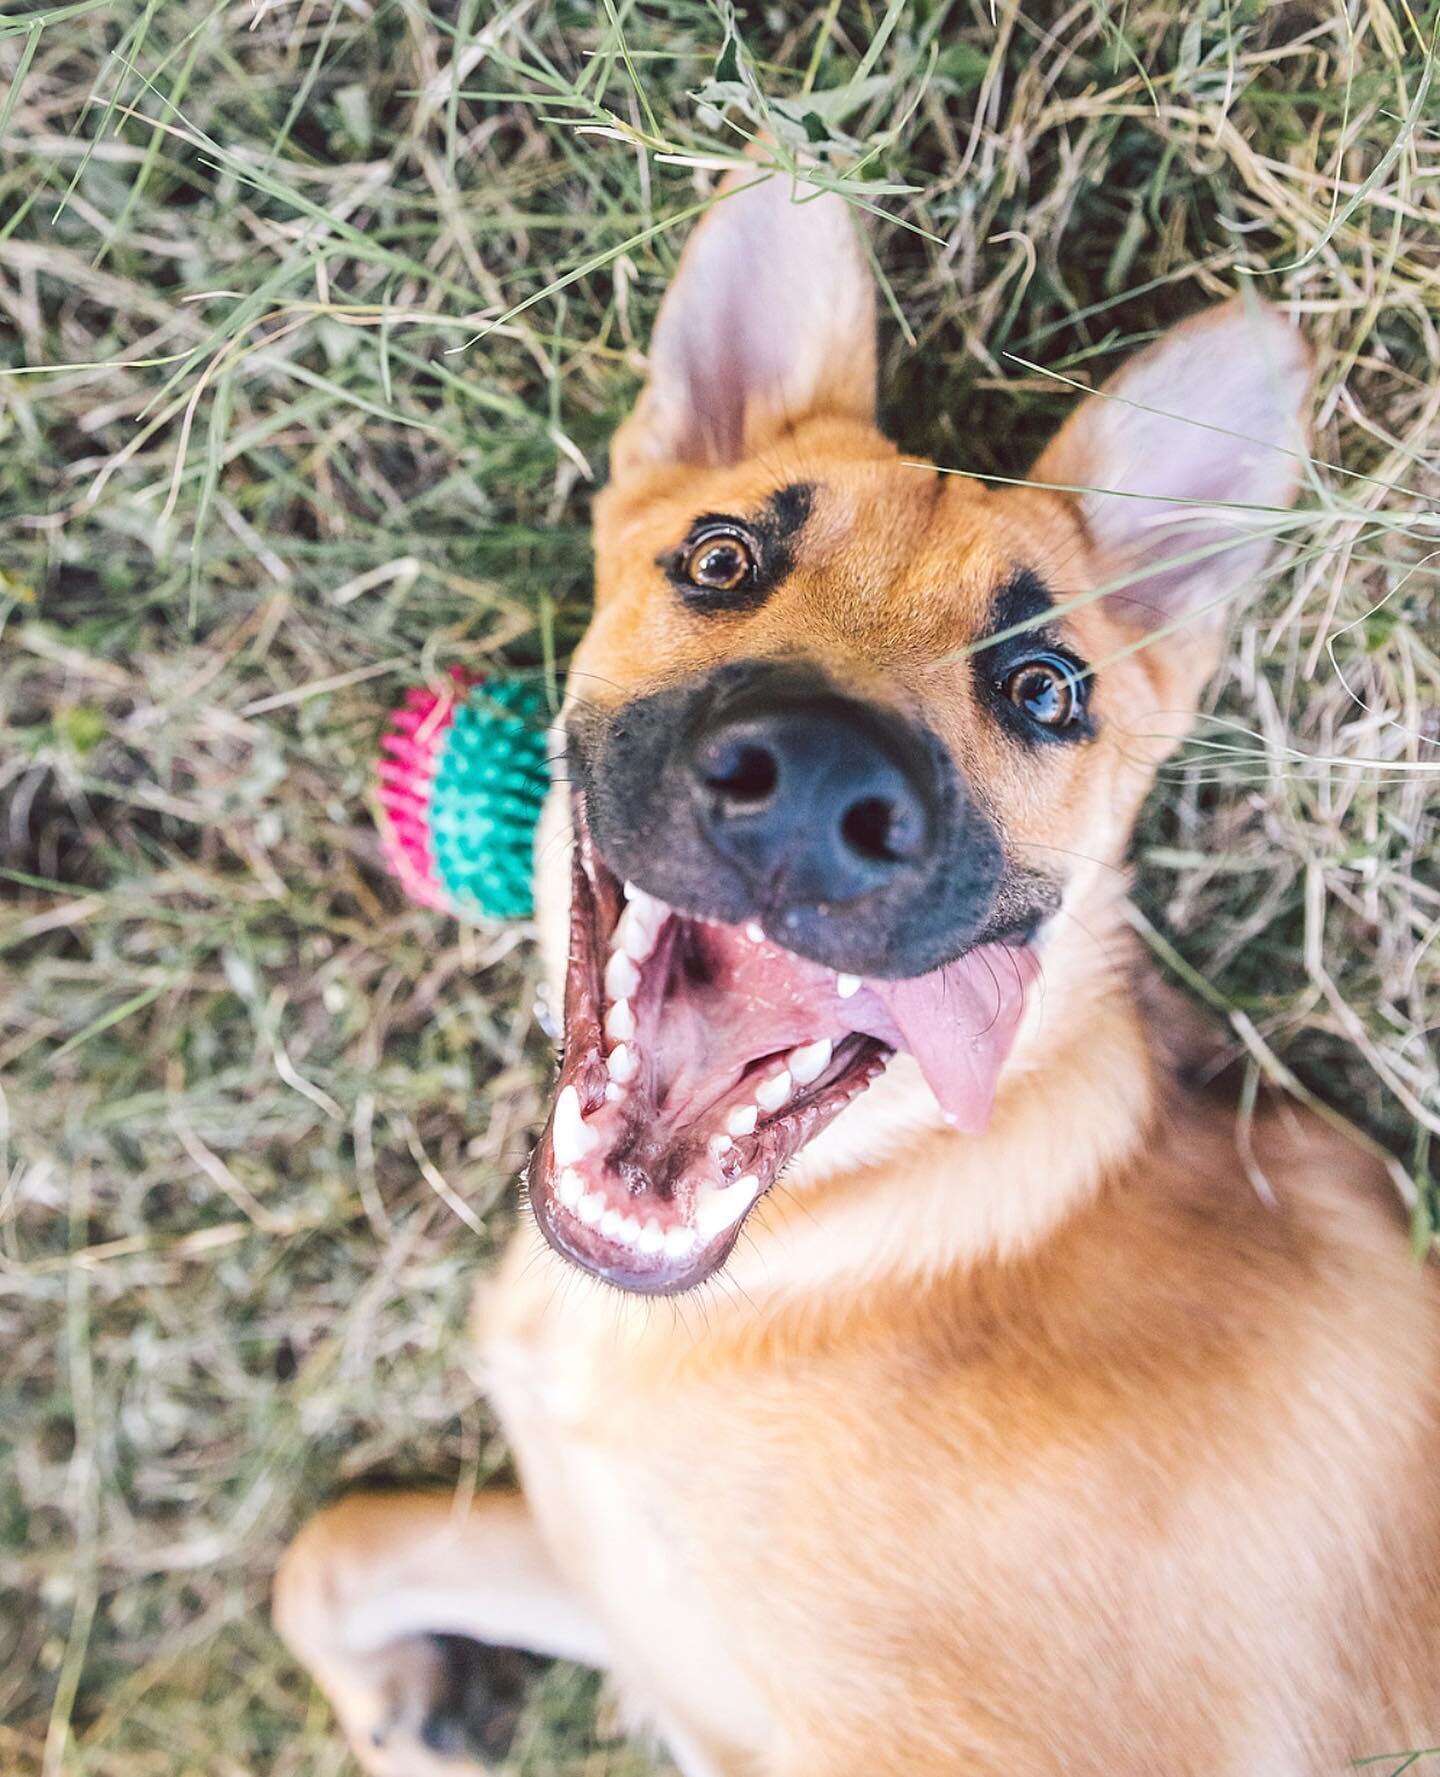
663 1276
651 1244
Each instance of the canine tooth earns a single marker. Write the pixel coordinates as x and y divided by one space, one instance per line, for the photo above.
652 1239
572 1137
638 930
717 1212
810 1062
748 1186
846 985
755 932
620 1022
643 911
771 1094
718 1146
569 1187
611 1223
678 1242
621 976
591 1207
615 1094
623 1064
742 1120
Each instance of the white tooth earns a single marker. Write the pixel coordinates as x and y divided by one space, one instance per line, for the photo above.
621 976
678 1242
719 1146
630 1231
748 1187
716 1212
615 1094
570 1187
636 934
644 917
651 1240
755 932
590 1208
809 1063
771 1094
623 1064
742 1120
620 1022
611 1223
846 985
572 1137
656 910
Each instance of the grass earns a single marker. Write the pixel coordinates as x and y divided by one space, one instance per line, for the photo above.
317 315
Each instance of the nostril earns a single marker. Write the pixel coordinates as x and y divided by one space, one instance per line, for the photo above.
740 770
876 829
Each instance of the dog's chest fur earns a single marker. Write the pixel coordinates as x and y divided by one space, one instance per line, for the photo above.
985 1482
624 1484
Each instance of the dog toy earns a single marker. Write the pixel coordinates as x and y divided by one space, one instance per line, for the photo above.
461 778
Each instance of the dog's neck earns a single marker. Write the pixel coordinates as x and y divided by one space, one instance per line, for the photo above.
1077 1100
897 1198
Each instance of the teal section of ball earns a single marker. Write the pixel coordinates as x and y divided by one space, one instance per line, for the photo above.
489 784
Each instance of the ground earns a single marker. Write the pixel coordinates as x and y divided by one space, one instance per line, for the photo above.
317 315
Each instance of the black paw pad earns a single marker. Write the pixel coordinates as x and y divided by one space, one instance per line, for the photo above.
478 1704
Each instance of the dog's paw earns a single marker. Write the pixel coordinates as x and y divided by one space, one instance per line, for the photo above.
435 1705
431 1705
478 1699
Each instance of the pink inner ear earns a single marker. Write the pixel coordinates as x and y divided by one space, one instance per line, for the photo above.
1188 452
770 320
723 361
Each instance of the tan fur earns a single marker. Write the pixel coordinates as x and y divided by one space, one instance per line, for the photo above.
1064 1448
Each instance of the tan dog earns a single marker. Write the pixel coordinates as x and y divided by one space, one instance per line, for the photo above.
1047 1420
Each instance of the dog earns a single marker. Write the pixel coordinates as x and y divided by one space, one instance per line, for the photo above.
1051 1416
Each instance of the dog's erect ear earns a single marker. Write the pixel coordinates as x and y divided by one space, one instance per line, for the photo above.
1179 453
770 321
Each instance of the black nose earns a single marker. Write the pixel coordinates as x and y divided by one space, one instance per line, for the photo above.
816 799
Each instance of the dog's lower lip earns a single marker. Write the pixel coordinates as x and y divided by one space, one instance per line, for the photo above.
654 1155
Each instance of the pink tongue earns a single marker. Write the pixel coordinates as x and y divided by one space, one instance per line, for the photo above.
959 1022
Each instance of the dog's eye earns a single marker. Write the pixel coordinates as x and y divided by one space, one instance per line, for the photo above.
1049 689
719 561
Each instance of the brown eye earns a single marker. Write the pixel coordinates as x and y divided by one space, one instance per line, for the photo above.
719 563
1048 689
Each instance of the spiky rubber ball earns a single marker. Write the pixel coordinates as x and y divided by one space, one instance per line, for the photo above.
461 778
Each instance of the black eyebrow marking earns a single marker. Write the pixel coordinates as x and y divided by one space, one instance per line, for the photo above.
772 533
781 519
1023 599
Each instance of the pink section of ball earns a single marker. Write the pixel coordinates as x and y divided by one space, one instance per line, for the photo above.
410 752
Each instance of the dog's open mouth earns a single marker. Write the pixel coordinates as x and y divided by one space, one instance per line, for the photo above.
700 1058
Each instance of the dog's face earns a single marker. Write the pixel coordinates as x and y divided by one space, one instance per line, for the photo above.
851 741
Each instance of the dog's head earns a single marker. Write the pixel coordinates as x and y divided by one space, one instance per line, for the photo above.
852 743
